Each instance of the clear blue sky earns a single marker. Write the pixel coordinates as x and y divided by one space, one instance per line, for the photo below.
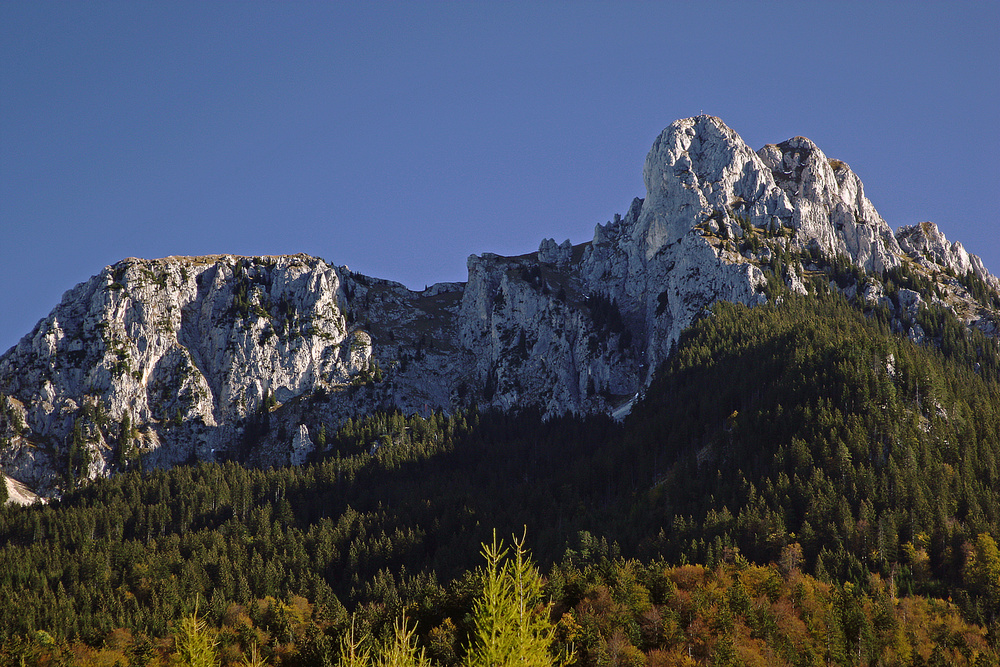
398 138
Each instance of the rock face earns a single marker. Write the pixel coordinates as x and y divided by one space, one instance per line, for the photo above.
927 246
829 207
158 362
185 348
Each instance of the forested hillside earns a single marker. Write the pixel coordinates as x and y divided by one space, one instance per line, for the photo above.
804 435
810 423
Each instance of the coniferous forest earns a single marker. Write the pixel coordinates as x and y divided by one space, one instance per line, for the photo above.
797 486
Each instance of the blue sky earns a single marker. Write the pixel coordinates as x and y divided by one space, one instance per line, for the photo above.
398 138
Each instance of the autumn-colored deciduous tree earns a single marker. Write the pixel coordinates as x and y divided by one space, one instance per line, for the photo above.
982 571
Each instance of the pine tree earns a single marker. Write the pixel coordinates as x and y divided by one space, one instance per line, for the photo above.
401 650
354 650
196 642
511 623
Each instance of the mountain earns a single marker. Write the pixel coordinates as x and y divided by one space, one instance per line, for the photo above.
152 363
746 423
804 437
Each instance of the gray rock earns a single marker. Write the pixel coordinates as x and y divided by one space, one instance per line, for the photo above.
550 253
874 295
443 288
196 350
828 205
302 445
188 346
916 334
909 302
926 242
794 281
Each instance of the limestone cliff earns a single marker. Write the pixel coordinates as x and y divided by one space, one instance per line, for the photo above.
157 362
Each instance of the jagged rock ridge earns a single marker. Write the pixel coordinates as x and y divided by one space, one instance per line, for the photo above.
157 362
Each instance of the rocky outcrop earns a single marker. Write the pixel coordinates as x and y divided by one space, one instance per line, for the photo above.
157 362
18 493
559 255
181 348
927 245
542 336
829 207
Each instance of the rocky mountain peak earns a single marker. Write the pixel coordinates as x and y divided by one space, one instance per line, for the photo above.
157 362
700 167
695 167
